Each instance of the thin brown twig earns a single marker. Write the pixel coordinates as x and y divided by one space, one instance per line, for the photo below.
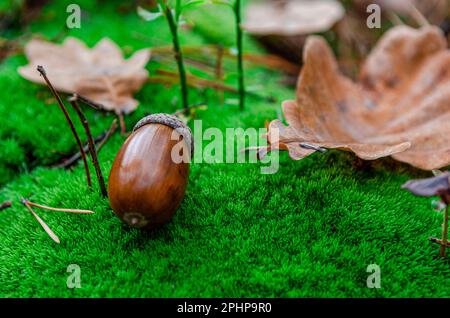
91 143
41 222
123 128
89 102
438 241
70 161
5 205
41 70
112 129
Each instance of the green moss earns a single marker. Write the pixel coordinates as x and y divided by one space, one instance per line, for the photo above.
309 230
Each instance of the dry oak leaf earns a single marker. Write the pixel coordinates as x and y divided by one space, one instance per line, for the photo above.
101 73
400 107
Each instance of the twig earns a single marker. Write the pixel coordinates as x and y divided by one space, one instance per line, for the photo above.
41 222
108 134
5 205
91 143
41 70
100 142
438 241
40 206
312 147
69 162
89 102
239 40
123 128
98 106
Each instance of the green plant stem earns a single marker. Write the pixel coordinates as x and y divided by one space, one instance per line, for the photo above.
41 70
178 55
177 11
443 249
239 40
91 144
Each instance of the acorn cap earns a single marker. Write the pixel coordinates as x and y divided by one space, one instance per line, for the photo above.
172 122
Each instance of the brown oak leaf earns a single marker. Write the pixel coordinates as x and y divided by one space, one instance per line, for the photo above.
101 73
399 108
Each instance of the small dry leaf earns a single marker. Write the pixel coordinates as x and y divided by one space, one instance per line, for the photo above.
400 108
435 186
292 18
101 73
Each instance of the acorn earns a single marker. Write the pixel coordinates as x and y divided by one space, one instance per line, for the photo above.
146 185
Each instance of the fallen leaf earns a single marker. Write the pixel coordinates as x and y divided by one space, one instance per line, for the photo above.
282 25
101 73
400 107
291 18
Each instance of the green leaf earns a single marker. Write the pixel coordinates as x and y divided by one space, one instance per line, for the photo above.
148 15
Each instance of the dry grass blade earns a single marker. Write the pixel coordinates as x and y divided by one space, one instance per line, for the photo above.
76 211
171 78
198 82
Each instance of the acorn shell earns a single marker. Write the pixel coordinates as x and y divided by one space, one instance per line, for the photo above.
145 185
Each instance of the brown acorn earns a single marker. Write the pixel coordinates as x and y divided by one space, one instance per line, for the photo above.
146 186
